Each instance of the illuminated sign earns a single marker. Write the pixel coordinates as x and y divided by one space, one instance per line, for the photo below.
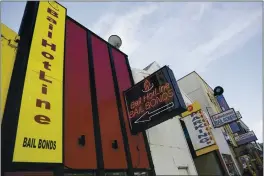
245 138
39 131
198 128
223 118
155 99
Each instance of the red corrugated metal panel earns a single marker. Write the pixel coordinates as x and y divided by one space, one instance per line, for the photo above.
107 107
78 106
139 158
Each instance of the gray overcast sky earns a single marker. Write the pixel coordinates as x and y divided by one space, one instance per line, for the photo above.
221 41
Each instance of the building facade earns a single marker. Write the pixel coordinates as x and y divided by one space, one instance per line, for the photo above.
198 90
169 149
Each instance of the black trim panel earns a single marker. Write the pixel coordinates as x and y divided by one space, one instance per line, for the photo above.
151 164
120 114
14 97
97 132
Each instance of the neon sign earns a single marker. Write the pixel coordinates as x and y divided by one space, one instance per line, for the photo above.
153 100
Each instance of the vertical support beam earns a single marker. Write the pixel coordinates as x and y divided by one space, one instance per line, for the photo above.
97 132
152 171
13 102
121 116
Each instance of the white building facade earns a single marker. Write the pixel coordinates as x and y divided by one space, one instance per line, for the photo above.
169 148
198 90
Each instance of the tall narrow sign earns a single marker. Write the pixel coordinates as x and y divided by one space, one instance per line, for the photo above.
39 131
199 129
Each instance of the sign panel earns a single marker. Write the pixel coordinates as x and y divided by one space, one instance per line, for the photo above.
198 127
234 127
39 131
8 54
245 138
153 100
223 118
222 102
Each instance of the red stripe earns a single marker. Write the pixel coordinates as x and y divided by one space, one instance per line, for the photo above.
139 158
107 107
78 107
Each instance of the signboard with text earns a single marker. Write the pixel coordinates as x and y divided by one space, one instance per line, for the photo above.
245 138
198 127
39 133
224 106
154 100
224 118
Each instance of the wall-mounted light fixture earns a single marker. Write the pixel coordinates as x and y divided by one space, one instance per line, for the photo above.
81 140
218 90
115 144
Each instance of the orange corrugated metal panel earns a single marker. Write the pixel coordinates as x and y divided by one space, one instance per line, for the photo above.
77 98
107 107
139 158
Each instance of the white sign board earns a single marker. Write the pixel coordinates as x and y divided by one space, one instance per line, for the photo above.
223 118
199 130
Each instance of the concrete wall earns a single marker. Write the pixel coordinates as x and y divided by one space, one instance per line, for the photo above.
169 148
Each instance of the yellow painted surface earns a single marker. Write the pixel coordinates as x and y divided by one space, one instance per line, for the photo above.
41 140
8 54
191 109
207 150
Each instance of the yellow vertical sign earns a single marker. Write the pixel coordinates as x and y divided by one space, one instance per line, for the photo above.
39 131
196 108
8 54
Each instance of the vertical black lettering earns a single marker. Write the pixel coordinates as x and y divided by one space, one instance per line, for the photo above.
54 145
197 122
42 119
50 27
25 142
39 103
47 144
204 140
49 34
44 144
45 43
199 126
202 135
51 20
40 143
47 55
29 142
195 117
52 12
44 89
34 143
46 65
42 76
